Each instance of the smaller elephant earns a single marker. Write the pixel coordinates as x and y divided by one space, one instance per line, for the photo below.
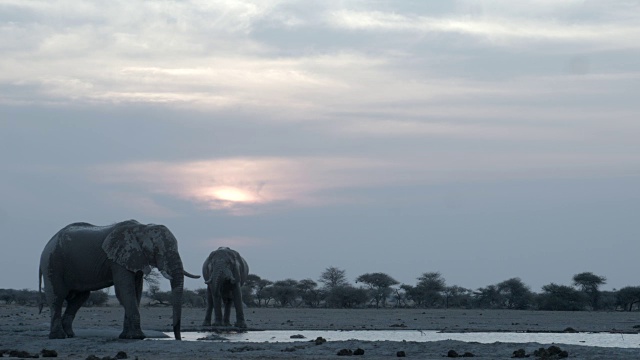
224 272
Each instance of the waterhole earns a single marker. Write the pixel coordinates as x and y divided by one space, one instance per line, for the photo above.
586 339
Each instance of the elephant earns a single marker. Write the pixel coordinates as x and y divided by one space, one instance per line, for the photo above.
82 257
224 272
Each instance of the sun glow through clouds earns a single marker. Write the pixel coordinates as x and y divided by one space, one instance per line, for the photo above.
232 194
244 185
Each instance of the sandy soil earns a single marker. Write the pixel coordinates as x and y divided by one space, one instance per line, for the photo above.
23 329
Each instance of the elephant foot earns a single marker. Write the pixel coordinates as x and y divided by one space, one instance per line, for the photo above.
218 323
57 335
138 335
240 324
206 323
66 326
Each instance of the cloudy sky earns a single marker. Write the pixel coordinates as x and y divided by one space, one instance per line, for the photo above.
482 139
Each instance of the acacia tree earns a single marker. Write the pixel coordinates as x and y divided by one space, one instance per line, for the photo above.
249 288
514 294
346 296
487 297
154 293
263 292
309 292
285 292
589 284
456 296
21 297
202 294
409 293
628 296
333 277
429 288
379 286
561 298
400 296
98 298
152 279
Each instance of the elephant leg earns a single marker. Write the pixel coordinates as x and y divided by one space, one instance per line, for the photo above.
217 310
207 314
75 300
227 311
125 285
56 331
139 283
55 298
237 301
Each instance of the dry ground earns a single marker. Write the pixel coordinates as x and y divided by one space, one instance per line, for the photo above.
22 328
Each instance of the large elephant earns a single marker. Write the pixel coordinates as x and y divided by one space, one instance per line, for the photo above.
82 258
224 272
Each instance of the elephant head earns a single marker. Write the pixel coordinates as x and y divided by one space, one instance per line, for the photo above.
139 247
225 264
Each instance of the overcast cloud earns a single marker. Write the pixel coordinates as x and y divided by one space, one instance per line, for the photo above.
482 139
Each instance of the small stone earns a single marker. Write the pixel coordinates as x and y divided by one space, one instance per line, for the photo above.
320 340
297 336
358 351
401 354
22 354
541 352
452 354
345 352
92 357
553 350
49 353
468 354
518 354
570 330
121 355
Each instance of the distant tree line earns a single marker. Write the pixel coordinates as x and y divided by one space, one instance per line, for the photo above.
32 297
379 290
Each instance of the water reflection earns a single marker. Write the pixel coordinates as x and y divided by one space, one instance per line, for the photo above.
586 339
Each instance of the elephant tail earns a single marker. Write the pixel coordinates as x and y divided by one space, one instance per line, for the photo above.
40 302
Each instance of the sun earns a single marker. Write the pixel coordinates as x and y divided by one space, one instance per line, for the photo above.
231 194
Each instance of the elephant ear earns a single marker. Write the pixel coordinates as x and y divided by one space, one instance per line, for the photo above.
122 246
207 269
244 271
241 265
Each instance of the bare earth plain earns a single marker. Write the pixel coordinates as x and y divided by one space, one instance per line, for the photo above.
97 329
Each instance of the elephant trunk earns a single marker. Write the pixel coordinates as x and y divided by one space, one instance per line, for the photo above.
177 287
221 273
215 280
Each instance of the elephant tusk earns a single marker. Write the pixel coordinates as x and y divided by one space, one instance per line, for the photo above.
166 275
187 274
